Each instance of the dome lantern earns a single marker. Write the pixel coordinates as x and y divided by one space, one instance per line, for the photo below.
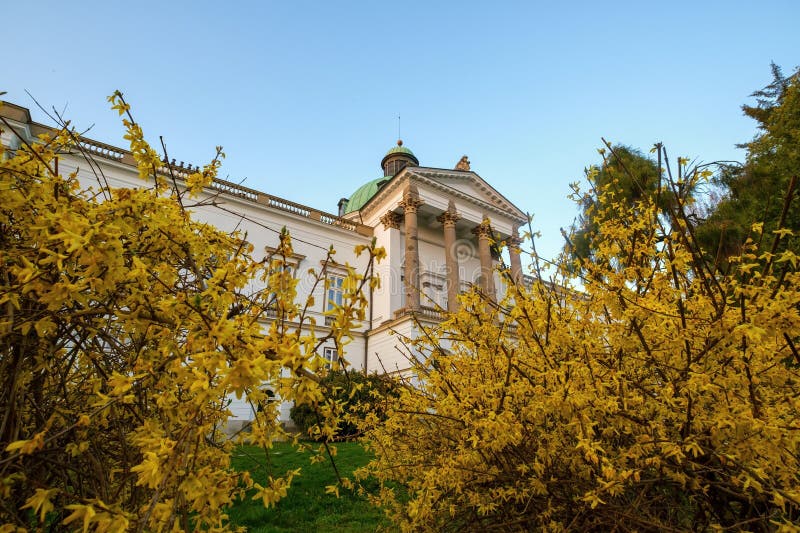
397 159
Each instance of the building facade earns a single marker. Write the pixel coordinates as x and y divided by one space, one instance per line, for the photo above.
436 225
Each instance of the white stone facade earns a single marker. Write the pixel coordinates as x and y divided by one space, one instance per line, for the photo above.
432 197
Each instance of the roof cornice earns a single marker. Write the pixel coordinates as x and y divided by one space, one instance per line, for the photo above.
418 174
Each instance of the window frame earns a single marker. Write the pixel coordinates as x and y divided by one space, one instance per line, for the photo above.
291 263
331 355
337 289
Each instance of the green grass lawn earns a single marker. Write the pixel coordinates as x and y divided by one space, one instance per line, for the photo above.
306 507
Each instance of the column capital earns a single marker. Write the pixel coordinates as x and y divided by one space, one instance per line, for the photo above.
449 218
514 241
410 203
391 220
484 229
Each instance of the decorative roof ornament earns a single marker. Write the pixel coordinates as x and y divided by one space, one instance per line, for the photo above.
463 164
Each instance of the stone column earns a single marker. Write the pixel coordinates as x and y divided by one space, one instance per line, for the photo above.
448 220
410 204
484 233
514 254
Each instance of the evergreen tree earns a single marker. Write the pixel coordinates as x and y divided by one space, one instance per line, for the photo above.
629 176
759 190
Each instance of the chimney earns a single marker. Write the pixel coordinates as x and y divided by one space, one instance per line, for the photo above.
342 206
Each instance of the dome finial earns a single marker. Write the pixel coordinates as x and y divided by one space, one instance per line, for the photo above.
399 142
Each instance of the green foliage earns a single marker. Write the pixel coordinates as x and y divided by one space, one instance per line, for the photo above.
629 176
350 396
755 191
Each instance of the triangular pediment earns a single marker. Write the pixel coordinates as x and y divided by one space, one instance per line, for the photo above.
468 184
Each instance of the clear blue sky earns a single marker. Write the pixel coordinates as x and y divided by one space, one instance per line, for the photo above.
304 95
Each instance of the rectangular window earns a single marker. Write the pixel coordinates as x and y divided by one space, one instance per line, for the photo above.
330 355
278 261
335 291
272 299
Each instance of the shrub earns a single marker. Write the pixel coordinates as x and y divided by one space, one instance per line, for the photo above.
124 328
355 396
661 396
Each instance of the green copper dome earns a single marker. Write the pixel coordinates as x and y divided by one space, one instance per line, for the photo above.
400 149
395 160
364 194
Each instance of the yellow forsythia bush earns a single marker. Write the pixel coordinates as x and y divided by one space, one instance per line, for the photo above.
657 394
124 330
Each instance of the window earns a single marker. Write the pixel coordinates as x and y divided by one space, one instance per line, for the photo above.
272 298
334 291
277 262
289 269
330 355
270 397
333 295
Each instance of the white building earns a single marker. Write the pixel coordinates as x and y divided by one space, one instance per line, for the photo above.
434 223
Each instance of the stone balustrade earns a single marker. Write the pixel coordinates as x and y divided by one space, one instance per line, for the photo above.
182 171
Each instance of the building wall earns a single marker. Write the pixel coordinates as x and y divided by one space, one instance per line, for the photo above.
388 297
261 226
388 349
260 218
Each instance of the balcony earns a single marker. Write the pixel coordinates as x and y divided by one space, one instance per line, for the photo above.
425 313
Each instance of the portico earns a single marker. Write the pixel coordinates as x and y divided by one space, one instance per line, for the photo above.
441 230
